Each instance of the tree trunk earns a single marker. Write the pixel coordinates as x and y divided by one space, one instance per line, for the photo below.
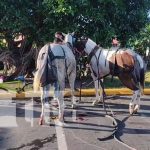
18 60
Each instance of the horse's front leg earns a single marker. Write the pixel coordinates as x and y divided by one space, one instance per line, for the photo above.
72 82
41 120
100 97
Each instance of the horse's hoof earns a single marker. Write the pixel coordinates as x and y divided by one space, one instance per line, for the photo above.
47 105
60 123
131 109
95 102
55 99
78 101
41 122
55 108
73 106
64 106
48 121
55 104
136 108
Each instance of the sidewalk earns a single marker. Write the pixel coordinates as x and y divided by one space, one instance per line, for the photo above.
84 92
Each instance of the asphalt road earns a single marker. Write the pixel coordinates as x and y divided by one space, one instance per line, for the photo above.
19 129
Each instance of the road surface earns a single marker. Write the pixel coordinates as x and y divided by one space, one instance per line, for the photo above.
19 129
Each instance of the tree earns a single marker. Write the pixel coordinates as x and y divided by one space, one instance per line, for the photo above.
141 41
38 20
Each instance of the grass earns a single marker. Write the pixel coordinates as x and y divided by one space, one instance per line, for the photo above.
147 79
11 85
14 85
116 83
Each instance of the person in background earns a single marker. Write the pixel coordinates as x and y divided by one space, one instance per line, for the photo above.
115 42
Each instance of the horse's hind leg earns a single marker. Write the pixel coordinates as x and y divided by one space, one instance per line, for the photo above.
137 102
44 100
41 120
99 98
72 77
134 105
54 102
129 82
56 90
61 99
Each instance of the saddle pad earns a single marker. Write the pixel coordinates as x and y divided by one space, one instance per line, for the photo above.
123 59
57 50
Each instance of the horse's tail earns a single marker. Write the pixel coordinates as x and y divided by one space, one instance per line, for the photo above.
142 78
36 81
142 73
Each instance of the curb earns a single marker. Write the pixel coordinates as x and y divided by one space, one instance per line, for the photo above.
67 93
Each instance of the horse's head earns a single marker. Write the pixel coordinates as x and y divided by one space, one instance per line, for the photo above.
80 43
70 38
76 41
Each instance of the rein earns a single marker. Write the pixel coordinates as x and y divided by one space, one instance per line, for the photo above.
65 59
52 57
93 53
71 47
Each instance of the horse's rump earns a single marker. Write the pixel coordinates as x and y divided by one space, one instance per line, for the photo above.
46 63
47 70
121 62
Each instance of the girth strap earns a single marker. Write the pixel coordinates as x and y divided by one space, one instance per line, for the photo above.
92 53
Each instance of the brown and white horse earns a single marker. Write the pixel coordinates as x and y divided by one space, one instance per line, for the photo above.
124 63
63 60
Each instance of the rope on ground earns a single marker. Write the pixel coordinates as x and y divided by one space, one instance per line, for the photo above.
116 124
120 141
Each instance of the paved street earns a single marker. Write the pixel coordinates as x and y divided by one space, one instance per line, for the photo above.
84 126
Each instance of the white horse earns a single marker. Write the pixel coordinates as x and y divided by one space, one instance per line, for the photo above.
63 60
124 63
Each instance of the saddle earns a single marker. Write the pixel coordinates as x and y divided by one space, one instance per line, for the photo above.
121 62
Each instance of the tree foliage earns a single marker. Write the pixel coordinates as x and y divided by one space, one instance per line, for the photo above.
99 19
141 41
38 20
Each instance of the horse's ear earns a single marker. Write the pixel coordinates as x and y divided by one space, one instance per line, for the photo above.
64 34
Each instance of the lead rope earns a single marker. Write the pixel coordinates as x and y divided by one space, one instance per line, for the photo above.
116 124
80 77
117 139
74 52
65 61
112 117
100 81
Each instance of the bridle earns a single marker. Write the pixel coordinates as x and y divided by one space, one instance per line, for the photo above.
80 45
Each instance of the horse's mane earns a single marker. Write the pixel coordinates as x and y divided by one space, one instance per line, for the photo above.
68 38
91 43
